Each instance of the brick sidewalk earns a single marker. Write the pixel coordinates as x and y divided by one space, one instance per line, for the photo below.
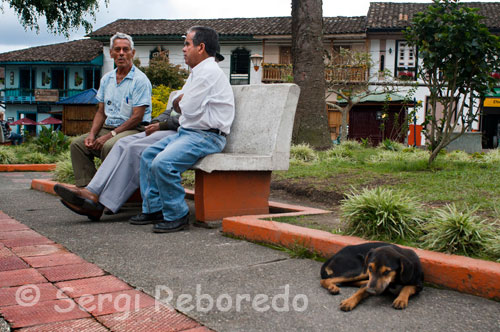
44 287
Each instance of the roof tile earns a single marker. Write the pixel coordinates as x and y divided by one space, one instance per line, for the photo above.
391 15
83 50
226 26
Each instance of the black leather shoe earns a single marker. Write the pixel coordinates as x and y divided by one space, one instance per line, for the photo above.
147 218
172 226
93 214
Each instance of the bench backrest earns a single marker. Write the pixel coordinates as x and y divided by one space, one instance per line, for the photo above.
264 118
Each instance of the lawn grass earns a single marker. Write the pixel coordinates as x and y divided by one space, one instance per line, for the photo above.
468 182
473 182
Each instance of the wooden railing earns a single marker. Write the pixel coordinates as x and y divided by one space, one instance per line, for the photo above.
276 73
28 95
346 74
281 73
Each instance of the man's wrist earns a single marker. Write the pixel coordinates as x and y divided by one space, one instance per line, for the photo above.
113 133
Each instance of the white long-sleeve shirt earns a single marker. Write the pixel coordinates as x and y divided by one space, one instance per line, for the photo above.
208 101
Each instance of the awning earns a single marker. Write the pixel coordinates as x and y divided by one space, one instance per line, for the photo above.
492 99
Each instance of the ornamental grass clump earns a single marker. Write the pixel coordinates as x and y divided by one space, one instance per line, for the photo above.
351 145
389 145
64 169
381 214
458 155
457 232
493 248
36 158
339 153
7 155
492 157
302 153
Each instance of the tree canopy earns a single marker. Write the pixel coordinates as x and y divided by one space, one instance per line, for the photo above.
61 15
458 55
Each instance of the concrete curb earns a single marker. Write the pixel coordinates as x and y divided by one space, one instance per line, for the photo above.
27 167
467 275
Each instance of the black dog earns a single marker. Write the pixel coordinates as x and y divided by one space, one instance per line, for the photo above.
375 267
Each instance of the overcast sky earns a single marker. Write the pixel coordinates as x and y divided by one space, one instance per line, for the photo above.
14 37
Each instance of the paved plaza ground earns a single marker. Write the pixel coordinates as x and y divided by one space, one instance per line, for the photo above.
194 267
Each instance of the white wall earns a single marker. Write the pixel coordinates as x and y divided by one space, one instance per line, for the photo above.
176 57
421 92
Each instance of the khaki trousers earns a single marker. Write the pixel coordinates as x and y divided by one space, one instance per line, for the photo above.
83 158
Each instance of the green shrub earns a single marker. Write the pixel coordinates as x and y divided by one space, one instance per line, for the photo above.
457 232
51 142
7 155
35 158
302 153
188 179
381 214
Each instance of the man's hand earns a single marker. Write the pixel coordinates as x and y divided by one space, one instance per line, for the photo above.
99 143
152 128
89 141
176 104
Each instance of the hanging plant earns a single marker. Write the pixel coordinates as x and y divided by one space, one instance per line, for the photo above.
78 79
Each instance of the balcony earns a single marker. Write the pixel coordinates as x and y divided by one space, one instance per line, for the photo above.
27 96
277 73
283 73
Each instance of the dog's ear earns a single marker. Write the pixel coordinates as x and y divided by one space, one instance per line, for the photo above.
405 270
367 260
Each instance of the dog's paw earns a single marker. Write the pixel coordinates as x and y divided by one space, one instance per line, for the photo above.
400 304
333 289
347 305
330 286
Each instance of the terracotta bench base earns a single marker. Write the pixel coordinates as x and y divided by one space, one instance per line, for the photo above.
231 193
223 194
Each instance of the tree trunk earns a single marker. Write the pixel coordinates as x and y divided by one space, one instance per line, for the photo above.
345 112
311 118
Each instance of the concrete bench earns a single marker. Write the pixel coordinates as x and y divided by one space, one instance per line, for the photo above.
237 181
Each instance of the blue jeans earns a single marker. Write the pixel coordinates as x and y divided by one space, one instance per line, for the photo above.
16 138
162 165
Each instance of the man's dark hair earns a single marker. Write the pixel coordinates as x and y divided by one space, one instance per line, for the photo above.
207 36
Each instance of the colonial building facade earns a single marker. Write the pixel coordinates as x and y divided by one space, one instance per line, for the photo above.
55 67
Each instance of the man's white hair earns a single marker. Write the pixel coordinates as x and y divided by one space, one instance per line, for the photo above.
121 35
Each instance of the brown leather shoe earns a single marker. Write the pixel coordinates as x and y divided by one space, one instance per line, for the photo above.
92 214
75 195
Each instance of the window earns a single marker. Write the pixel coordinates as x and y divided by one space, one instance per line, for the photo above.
59 78
26 80
92 78
406 61
286 55
240 66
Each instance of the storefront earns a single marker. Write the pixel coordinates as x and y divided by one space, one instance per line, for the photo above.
490 120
